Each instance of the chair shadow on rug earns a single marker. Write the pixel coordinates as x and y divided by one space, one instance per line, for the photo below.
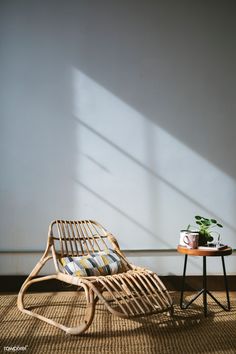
85 254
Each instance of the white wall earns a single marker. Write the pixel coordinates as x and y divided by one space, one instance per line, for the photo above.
118 111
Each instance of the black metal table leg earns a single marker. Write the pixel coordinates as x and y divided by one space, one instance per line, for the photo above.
185 305
226 308
183 282
226 283
204 286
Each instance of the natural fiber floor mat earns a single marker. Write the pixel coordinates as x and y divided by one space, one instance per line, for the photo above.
186 332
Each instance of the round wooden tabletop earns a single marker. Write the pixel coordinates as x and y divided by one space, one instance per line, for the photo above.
200 252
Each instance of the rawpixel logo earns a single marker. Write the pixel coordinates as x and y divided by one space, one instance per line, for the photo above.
15 348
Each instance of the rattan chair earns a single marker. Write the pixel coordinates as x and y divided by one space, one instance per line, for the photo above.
132 293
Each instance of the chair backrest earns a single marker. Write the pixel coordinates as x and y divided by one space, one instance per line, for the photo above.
77 238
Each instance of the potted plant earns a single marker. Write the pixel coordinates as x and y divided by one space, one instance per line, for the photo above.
206 229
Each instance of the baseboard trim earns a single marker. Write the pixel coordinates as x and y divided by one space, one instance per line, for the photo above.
12 283
195 282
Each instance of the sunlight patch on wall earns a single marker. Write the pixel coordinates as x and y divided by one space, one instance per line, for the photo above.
136 178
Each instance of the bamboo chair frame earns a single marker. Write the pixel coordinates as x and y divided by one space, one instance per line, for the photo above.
135 292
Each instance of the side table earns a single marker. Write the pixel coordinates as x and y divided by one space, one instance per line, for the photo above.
204 253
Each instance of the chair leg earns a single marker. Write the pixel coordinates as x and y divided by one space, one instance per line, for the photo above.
89 294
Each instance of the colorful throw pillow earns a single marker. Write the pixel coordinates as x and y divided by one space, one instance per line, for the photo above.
96 264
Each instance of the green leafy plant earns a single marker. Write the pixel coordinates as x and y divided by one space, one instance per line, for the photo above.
206 229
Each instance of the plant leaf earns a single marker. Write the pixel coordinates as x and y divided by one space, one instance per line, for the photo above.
213 221
219 225
198 217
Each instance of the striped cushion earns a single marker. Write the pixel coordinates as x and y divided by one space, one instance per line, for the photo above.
97 263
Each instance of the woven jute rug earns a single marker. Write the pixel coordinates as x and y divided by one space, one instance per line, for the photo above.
188 331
